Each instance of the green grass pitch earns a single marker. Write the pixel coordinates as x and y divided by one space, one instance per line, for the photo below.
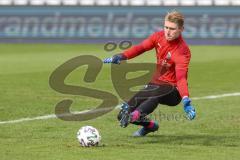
25 93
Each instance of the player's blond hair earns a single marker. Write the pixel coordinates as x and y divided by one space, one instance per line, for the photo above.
175 17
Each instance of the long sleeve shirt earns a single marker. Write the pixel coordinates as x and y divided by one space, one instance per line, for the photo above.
173 59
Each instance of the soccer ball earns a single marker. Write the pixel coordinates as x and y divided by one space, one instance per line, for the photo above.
88 136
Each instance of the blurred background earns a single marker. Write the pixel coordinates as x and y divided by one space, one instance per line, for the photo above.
98 21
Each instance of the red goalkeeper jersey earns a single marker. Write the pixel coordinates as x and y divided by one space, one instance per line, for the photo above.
173 58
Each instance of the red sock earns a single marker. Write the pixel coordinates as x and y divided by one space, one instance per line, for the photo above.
135 115
151 124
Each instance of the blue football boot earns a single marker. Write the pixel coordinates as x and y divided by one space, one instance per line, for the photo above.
124 115
144 130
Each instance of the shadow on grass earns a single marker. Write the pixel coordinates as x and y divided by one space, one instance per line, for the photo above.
203 140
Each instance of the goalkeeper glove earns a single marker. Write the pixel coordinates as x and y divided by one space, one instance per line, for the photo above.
188 108
116 59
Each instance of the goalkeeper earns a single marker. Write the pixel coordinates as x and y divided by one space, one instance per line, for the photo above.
168 85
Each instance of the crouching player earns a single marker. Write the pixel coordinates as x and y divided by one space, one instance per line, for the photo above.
168 85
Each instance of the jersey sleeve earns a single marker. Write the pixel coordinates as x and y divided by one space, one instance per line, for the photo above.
181 69
144 46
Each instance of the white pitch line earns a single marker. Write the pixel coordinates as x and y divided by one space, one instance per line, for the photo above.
29 119
51 116
217 96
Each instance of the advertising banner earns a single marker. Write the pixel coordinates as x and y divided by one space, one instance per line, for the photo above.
215 25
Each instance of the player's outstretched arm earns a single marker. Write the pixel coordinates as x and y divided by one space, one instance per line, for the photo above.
116 59
188 108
